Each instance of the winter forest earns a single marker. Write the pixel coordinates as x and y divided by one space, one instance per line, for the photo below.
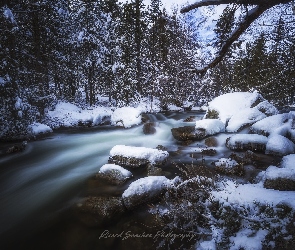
128 124
79 50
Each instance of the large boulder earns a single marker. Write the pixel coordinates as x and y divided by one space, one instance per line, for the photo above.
126 117
279 145
276 124
251 142
113 174
239 109
95 211
145 190
137 156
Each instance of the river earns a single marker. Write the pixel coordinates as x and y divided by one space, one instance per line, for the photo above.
38 185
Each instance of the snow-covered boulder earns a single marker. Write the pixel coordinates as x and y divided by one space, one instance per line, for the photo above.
137 156
282 177
145 190
114 174
202 129
229 166
279 145
276 124
126 117
243 118
239 109
247 142
211 126
95 211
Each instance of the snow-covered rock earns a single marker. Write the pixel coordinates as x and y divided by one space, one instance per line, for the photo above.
288 161
137 156
114 174
245 117
247 142
279 145
229 167
39 128
239 109
126 117
211 126
278 124
280 178
145 190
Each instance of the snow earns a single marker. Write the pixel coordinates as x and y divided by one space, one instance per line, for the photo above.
67 115
39 128
8 15
245 240
244 117
150 154
246 138
148 185
273 172
212 126
107 168
279 145
126 117
225 162
249 194
288 161
270 124
232 103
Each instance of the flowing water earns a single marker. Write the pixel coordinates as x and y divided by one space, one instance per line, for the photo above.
40 184
49 176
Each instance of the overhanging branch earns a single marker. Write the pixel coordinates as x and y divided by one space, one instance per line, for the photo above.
253 14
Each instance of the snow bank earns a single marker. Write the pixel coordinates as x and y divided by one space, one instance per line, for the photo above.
68 115
39 128
279 145
126 117
150 154
212 126
147 185
248 194
107 168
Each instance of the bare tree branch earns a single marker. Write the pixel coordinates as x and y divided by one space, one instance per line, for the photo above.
203 3
253 14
